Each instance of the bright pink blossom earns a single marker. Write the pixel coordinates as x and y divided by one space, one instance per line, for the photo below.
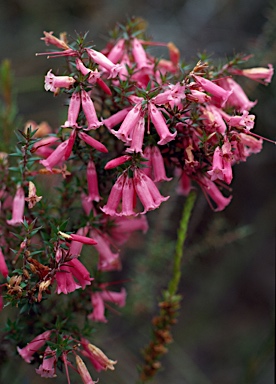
116 118
92 182
160 125
17 208
147 191
237 98
89 111
93 142
57 156
98 313
124 226
116 53
53 83
27 352
211 189
3 266
48 366
219 94
104 62
117 161
125 131
114 197
73 110
108 260
137 137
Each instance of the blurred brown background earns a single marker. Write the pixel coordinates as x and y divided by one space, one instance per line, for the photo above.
225 329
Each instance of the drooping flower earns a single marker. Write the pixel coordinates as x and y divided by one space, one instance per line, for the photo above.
48 366
17 207
92 142
3 266
160 125
38 342
96 356
89 111
83 371
211 189
219 94
92 182
57 156
108 260
147 191
73 111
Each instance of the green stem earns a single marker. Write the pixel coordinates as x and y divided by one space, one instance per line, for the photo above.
181 237
169 306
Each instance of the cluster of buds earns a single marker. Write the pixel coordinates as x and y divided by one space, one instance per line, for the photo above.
134 121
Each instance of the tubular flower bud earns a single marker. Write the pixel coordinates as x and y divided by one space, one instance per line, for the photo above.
52 82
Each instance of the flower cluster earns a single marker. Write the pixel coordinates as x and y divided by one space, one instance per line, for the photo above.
134 121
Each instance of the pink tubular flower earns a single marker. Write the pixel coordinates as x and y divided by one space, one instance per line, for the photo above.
131 120
104 62
27 352
237 98
124 226
128 198
53 83
173 95
65 281
17 208
73 111
117 51
96 356
117 161
89 111
147 191
56 156
217 167
48 366
158 167
79 271
79 238
212 119
137 137
76 246
98 308
116 119
160 125
118 298
108 261
3 266
32 198
92 142
92 181
114 197
220 95
83 372
140 55
93 75
261 74
213 191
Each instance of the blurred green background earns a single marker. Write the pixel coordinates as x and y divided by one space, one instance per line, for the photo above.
225 330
